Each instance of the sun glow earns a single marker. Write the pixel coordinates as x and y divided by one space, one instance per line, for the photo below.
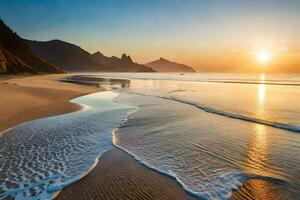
263 56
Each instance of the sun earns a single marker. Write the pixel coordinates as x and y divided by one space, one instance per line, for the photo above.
263 56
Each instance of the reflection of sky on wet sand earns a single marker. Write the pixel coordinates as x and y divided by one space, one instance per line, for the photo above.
106 83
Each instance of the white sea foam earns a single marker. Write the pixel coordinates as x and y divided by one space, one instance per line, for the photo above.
45 155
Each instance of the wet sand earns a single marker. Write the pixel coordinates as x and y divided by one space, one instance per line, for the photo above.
258 189
116 176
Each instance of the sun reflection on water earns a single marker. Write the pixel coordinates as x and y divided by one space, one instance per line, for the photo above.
261 97
256 156
261 93
258 148
257 164
262 78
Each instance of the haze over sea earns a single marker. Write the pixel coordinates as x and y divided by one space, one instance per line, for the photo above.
212 132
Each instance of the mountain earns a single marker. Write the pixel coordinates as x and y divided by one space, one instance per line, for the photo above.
17 57
68 56
72 58
164 65
122 64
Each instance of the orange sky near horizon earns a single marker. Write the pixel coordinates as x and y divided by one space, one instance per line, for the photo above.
209 35
285 57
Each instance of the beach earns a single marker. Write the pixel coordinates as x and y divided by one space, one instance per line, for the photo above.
202 134
188 151
119 176
116 176
34 97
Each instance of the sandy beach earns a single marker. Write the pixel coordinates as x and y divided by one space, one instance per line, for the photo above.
28 98
116 176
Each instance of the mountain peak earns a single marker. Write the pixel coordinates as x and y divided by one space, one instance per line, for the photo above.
98 53
126 58
163 59
164 65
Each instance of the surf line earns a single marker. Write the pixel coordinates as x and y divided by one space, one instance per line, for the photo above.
287 127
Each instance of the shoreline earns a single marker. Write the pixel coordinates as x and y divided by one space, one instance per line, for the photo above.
34 97
117 175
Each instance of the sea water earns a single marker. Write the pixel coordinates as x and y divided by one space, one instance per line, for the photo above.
212 134
40 157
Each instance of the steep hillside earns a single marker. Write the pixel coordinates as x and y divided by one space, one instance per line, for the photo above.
17 57
68 56
73 58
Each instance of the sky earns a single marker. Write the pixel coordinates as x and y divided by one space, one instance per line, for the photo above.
206 34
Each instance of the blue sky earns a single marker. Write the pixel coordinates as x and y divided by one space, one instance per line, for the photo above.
180 29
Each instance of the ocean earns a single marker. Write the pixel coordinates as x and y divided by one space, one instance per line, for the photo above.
220 136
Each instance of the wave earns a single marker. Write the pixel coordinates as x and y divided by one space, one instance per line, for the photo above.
163 172
230 180
189 79
290 83
55 189
80 79
46 155
288 127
